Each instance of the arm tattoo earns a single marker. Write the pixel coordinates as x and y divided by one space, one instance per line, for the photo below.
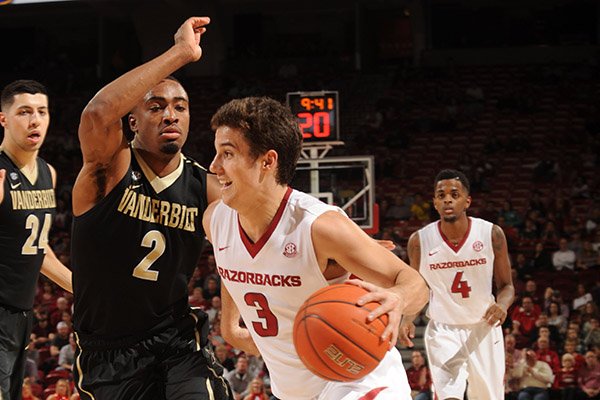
497 238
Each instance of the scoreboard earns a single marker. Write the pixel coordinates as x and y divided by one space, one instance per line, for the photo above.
317 114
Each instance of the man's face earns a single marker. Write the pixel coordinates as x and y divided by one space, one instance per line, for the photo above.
451 200
527 304
161 121
417 359
238 172
26 122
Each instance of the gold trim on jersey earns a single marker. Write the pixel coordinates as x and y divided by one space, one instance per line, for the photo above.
159 184
79 370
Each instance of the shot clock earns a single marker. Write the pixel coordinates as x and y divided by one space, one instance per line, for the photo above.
317 114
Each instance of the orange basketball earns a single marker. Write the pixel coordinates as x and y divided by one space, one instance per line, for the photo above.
333 337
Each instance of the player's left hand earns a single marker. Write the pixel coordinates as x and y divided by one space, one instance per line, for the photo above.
495 315
391 304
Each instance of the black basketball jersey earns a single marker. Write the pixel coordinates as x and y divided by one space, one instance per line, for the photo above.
26 215
134 252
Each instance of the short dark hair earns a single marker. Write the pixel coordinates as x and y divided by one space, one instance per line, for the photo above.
20 86
453 174
267 125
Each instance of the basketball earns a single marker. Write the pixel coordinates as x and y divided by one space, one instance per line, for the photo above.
333 337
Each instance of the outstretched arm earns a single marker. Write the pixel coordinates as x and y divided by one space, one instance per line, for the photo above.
103 145
505 291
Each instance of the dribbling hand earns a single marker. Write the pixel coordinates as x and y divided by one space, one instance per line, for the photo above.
391 304
189 34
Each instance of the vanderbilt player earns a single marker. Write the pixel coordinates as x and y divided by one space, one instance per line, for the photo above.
27 208
137 236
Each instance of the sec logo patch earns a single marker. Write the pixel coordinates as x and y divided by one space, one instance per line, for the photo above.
478 246
289 250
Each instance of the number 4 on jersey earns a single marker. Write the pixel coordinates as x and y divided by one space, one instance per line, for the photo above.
460 286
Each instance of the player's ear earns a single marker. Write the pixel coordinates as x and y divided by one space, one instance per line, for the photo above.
468 202
2 119
269 159
132 123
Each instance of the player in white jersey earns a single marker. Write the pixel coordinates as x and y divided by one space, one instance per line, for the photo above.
275 246
460 257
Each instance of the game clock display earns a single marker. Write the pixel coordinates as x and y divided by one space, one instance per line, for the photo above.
317 114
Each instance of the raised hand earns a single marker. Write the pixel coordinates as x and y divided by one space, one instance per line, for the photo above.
189 34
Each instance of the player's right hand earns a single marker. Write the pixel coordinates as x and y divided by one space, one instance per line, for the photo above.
406 334
189 34
2 177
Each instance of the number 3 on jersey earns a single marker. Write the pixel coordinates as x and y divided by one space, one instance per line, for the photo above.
460 286
269 326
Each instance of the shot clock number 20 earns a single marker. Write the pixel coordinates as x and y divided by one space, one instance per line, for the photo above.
317 114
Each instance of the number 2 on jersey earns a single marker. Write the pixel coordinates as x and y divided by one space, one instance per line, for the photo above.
156 242
270 326
460 286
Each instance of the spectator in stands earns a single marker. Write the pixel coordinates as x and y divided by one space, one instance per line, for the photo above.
401 208
550 235
66 357
542 326
592 334
587 257
525 316
196 299
588 377
239 378
211 288
222 355
27 392
419 377
62 304
582 297
542 261
570 347
62 390
537 203
46 299
589 311
256 390
531 290
60 339
554 295
420 208
42 330
511 216
215 309
513 357
535 377
522 266
555 318
563 258
488 211
565 384
544 353
529 231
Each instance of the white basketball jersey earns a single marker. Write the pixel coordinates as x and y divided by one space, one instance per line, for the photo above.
460 277
269 280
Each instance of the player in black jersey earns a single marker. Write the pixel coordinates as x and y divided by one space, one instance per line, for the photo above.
137 236
27 207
